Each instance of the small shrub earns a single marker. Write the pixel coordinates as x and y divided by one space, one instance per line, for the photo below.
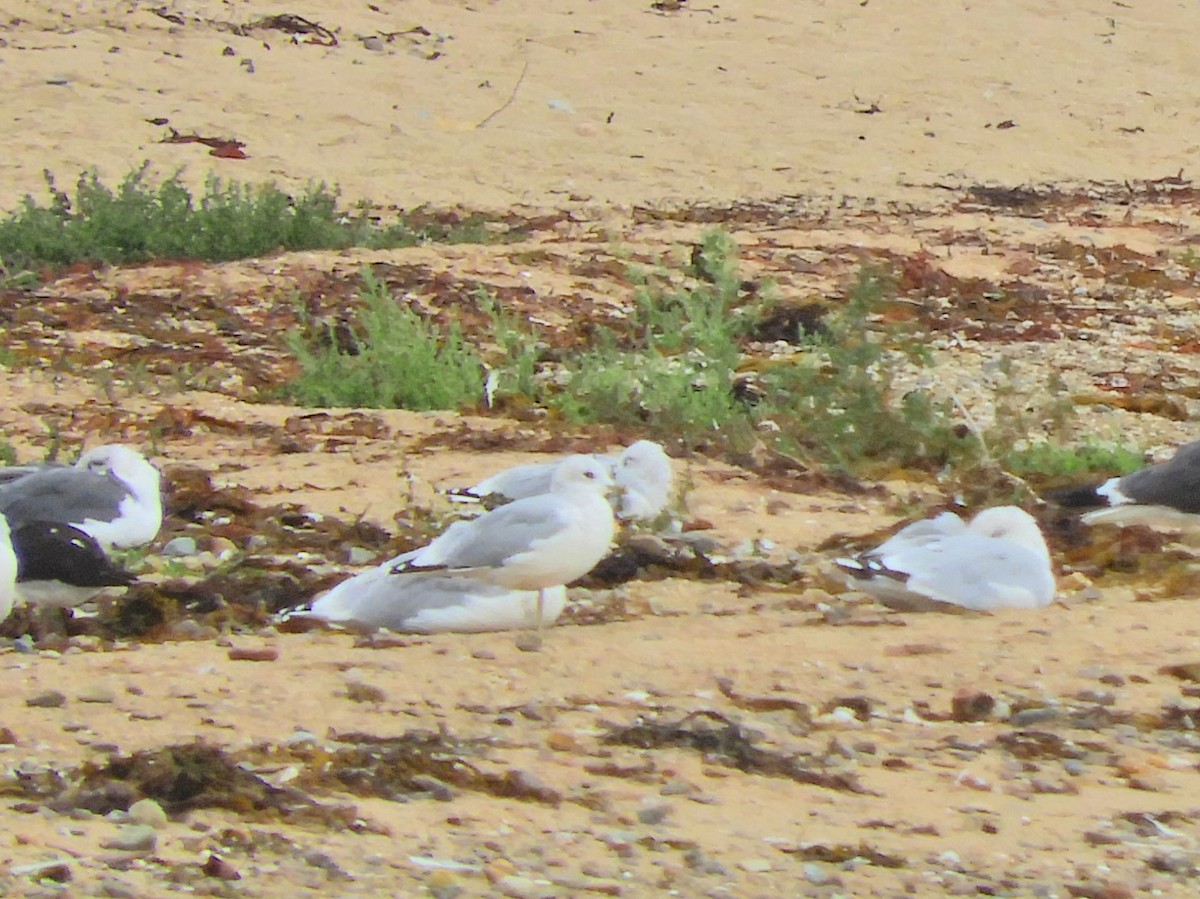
674 374
397 360
140 221
836 402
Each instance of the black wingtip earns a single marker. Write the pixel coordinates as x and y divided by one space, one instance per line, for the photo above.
49 551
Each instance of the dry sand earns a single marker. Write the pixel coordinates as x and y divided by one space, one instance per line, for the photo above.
1080 777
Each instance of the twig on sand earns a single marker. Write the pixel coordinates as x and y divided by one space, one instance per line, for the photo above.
507 103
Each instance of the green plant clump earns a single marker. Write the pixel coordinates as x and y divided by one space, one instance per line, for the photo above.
398 360
837 402
140 221
1052 462
677 377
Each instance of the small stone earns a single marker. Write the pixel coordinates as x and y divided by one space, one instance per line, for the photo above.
484 655
47 699
98 693
1037 715
360 556
254 653
56 869
755 865
132 838
654 813
520 887
215 866
373 43
148 813
360 692
179 546
817 875
191 629
529 641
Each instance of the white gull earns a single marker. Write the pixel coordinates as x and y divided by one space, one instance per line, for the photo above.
111 493
642 473
529 547
999 560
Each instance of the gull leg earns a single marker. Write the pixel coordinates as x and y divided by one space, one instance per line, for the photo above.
527 642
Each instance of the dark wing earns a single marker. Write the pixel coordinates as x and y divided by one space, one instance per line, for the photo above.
49 551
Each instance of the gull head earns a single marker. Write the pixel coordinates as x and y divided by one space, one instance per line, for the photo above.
582 473
643 463
1010 523
124 464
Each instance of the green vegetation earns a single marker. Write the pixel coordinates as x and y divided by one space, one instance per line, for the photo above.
676 369
1052 462
673 374
396 359
141 220
838 403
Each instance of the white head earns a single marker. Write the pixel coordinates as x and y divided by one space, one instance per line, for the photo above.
126 465
1012 524
643 472
581 473
8 571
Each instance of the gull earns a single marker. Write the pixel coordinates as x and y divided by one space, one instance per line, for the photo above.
537 544
642 473
998 560
1166 494
8 571
432 603
111 493
60 566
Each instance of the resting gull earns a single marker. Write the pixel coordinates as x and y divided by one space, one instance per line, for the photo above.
642 473
432 603
1166 494
111 493
62 566
999 560
536 544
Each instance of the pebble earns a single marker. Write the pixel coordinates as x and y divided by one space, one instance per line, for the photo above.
179 546
484 655
190 629
254 653
817 875
528 641
148 813
523 887
132 838
47 699
654 812
98 693
1026 717
360 556
56 869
